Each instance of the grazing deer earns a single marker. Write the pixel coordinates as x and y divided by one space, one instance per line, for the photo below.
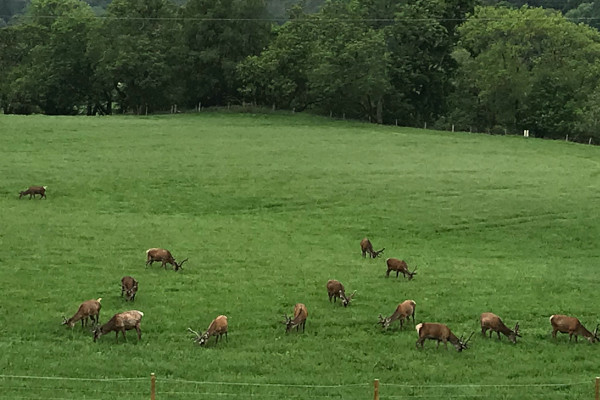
493 322
335 289
129 286
572 326
33 190
300 315
406 309
121 322
367 247
393 264
218 328
441 333
87 309
164 256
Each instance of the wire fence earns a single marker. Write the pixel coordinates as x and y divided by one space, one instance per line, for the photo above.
59 388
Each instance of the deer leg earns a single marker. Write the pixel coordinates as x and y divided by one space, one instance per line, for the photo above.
117 336
397 272
387 274
139 332
364 254
420 342
499 338
303 325
123 332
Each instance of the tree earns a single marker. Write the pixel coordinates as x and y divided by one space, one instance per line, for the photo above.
137 53
528 69
217 36
53 70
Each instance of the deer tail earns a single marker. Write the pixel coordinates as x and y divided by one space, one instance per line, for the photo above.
99 299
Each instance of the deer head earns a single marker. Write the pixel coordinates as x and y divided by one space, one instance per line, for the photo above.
377 253
287 322
515 333
411 274
595 337
463 345
178 266
199 338
66 321
346 300
384 322
97 331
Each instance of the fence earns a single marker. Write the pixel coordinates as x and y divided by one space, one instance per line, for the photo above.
21 387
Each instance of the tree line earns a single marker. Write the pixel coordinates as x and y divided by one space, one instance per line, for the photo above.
494 68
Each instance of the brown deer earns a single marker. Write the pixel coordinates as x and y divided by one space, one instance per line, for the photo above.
300 315
367 247
393 264
88 309
441 333
218 328
33 190
121 322
406 309
572 326
493 322
335 289
164 256
129 286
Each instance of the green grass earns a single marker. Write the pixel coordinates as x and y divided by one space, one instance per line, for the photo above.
268 208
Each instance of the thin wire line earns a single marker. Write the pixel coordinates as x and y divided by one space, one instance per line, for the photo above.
262 384
60 378
475 385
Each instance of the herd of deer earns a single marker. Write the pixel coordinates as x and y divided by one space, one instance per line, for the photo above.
129 320
488 321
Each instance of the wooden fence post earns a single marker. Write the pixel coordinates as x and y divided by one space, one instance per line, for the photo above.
376 384
597 388
152 386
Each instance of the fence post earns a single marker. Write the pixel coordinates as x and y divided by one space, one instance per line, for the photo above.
597 388
152 386
376 384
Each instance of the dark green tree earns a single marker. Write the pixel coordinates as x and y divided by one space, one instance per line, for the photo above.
217 36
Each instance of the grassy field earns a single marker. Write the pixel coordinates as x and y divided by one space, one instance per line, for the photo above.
268 208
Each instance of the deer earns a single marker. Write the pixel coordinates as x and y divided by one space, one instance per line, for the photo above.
300 315
406 309
164 256
494 323
217 328
88 309
33 190
393 264
121 322
335 289
572 326
441 333
129 286
367 247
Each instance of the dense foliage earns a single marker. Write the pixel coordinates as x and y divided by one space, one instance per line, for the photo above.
496 68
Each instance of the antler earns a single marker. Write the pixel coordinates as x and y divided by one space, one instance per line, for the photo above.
65 320
352 295
378 253
287 319
198 336
465 343
179 266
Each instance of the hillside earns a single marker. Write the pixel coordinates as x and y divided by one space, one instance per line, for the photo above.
269 207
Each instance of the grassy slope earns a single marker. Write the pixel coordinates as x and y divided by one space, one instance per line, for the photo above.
268 208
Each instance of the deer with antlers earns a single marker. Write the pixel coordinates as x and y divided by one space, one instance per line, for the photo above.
217 328
164 256
335 289
88 309
572 326
367 247
441 333
400 266
494 323
405 310
300 315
